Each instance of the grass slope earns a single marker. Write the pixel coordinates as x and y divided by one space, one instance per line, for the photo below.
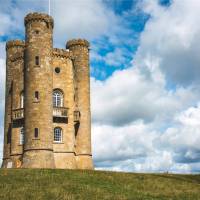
76 184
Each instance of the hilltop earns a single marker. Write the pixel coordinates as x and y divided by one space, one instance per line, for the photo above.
40 184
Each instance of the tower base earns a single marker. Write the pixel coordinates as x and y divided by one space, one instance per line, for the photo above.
38 159
65 160
84 162
16 160
7 163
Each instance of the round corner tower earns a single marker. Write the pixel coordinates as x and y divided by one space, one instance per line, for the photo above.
14 64
80 52
38 147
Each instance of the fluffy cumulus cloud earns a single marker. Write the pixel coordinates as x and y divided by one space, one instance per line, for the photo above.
145 115
172 37
87 19
140 147
160 91
184 138
128 95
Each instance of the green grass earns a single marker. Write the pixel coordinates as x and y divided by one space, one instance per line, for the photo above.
76 184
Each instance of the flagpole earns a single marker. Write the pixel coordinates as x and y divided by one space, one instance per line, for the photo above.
49 7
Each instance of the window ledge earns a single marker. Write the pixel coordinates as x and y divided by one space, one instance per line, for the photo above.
36 101
58 142
36 139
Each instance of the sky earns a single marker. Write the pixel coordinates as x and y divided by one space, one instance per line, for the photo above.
145 85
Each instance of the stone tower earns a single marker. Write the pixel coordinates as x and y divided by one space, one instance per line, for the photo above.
47 101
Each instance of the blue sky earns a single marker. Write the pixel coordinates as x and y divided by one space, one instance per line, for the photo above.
145 67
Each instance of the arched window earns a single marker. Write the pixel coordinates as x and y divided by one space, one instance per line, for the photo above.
22 99
57 98
57 134
21 138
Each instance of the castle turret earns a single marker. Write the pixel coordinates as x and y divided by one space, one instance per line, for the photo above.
38 148
80 50
14 63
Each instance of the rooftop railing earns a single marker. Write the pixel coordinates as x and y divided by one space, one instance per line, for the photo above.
18 113
60 112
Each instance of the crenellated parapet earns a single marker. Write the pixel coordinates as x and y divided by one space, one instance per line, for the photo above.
62 53
39 17
15 43
77 42
18 56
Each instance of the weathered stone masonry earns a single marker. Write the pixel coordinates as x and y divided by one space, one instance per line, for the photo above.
47 100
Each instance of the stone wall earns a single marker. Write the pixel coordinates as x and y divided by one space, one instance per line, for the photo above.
63 81
14 81
80 50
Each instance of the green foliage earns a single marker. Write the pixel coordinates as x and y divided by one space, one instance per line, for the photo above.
39 184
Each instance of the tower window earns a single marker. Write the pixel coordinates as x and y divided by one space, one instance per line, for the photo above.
21 138
37 60
57 98
57 70
76 95
36 132
37 32
47 24
36 95
9 134
57 134
22 100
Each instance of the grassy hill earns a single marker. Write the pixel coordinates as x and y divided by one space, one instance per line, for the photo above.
85 185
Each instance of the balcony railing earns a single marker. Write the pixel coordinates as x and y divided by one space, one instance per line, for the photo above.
77 115
60 112
18 113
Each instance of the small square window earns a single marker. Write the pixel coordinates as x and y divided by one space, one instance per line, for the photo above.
37 60
37 32
36 95
36 132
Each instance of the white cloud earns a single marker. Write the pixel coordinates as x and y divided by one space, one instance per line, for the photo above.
2 89
122 143
138 147
12 15
168 55
183 139
116 57
2 92
172 36
158 162
88 19
128 95
5 24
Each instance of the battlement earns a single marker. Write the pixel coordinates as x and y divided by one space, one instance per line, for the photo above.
15 43
63 53
38 17
75 42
